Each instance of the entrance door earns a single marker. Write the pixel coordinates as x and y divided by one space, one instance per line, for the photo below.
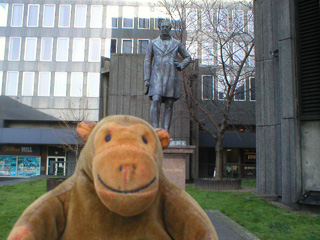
56 166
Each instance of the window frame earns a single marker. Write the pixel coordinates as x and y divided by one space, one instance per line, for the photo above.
217 87
98 87
250 89
110 12
3 51
6 15
212 55
140 8
234 20
37 21
90 51
58 59
108 43
22 14
71 85
44 14
9 53
127 39
17 83
77 50
59 20
1 82
219 27
92 21
76 15
23 84
49 87
35 49
202 87
138 45
244 92
123 18
65 78
51 50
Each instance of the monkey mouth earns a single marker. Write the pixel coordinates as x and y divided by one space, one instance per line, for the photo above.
126 191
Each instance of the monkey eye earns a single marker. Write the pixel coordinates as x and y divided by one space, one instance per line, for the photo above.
144 140
108 137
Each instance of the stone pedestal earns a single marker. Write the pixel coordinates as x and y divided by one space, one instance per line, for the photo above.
174 163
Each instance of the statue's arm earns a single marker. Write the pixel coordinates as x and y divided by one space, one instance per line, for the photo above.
44 219
148 62
185 55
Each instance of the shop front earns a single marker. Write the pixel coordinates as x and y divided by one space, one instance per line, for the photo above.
20 160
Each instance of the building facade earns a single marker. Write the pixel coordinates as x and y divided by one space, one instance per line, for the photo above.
50 65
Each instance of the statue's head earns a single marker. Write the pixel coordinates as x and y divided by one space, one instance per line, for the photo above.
165 27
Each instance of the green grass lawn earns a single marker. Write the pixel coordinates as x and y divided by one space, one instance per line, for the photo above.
261 218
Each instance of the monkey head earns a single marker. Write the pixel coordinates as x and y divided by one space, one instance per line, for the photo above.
125 161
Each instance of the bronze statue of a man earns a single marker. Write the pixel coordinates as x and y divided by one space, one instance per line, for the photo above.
161 77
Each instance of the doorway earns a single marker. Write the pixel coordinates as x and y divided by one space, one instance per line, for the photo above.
56 166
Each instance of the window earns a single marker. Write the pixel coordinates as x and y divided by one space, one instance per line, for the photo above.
160 14
192 48
207 90
3 14
1 78
48 15
12 83
80 20
238 20
222 87
44 84
222 20
60 84
14 49
251 58
250 22
240 91
128 16
127 46
2 47
192 19
144 17
207 20
207 54
30 51
93 84
112 16
78 49
94 50
33 15
27 83
225 58
252 85
62 49
64 15
142 46
96 16
238 52
17 15
76 84
46 49
111 47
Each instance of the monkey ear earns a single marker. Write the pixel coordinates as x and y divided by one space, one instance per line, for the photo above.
84 129
164 137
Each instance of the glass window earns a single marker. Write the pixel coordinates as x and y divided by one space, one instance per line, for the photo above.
64 15
80 20
142 46
12 83
3 14
14 49
30 51
44 84
225 58
222 20
78 49
251 58
46 49
94 50
111 47
240 91
96 16
238 52
192 48
33 15
192 19
27 83
207 20
2 47
93 84
128 16
238 20
62 49
112 16
144 17
60 84
17 15
250 22
207 54
76 84
222 87
1 78
127 46
252 85
48 15
207 89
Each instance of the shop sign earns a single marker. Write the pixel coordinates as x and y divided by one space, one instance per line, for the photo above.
19 150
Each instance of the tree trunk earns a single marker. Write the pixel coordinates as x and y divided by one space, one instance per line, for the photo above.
219 158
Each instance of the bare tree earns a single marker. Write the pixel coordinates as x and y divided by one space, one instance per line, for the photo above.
222 34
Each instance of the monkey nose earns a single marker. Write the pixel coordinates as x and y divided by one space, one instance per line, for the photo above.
127 173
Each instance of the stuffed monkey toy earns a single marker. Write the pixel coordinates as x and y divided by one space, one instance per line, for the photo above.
118 191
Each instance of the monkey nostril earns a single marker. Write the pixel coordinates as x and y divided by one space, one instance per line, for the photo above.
120 168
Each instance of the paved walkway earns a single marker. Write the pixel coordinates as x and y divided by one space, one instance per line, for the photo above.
226 228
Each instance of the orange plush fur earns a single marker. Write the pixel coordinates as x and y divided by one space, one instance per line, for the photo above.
118 191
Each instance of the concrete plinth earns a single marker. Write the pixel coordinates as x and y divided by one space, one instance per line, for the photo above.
174 163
